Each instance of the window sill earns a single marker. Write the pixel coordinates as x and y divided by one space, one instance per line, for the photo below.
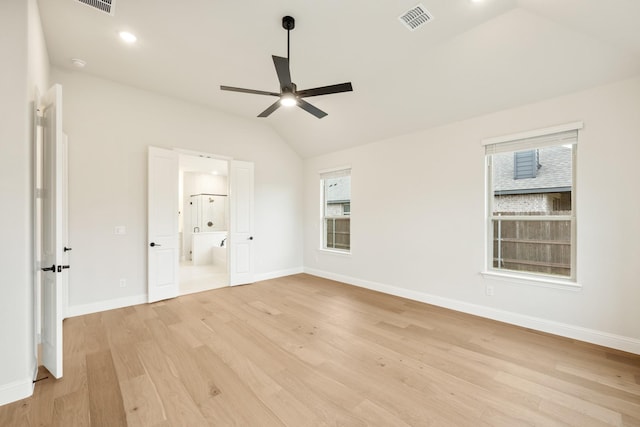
335 252
545 282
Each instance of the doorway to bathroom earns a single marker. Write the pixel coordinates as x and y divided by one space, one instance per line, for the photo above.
203 223
166 229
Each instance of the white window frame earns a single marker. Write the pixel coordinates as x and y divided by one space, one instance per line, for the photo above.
323 175
551 136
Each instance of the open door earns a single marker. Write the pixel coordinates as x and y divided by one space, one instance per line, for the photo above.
163 237
64 199
241 251
53 270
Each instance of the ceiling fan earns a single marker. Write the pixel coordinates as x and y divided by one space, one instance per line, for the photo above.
289 94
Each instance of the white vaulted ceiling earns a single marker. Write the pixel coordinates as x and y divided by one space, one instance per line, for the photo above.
471 59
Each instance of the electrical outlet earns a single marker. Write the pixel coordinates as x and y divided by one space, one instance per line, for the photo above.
489 290
123 283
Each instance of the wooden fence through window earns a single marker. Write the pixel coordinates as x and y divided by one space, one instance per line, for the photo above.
338 233
532 245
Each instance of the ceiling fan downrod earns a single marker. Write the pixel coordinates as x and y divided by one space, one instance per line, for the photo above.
288 23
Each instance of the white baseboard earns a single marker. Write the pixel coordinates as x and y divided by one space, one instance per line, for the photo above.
593 336
79 310
279 273
18 390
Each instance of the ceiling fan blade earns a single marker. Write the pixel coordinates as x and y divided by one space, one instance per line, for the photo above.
255 92
311 109
325 90
273 107
282 69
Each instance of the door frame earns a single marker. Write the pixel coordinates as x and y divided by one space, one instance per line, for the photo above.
37 173
230 246
229 160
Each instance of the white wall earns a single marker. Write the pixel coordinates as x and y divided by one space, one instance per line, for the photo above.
201 183
24 65
418 218
110 127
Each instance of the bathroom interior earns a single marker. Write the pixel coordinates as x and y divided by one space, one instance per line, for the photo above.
203 223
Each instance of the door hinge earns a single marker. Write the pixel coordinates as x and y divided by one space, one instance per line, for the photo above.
41 121
39 193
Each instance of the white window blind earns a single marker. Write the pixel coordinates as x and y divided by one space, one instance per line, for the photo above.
337 173
558 135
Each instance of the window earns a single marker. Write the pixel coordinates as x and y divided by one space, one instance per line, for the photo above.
531 215
336 210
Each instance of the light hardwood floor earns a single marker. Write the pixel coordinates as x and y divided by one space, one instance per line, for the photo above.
304 351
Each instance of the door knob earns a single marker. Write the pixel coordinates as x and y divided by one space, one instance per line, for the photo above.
153 244
52 268
250 237
65 249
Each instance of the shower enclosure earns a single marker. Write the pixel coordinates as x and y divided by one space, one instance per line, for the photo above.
208 213
208 229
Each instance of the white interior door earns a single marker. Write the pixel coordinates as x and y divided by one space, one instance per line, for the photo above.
241 239
163 237
64 199
53 215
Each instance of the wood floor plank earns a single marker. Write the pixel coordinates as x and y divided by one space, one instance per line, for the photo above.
72 409
105 396
614 379
127 362
305 351
589 393
179 407
569 402
141 401
245 406
200 387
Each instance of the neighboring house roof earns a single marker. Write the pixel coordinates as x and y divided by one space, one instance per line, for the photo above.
338 189
554 174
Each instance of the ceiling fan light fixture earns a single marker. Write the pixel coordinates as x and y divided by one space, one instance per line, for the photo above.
288 100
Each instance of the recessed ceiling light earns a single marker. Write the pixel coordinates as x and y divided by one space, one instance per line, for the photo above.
127 37
78 63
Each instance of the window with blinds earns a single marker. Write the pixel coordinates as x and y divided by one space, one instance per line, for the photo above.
531 215
336 209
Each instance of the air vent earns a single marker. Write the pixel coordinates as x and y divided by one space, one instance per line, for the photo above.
415 17
106 6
